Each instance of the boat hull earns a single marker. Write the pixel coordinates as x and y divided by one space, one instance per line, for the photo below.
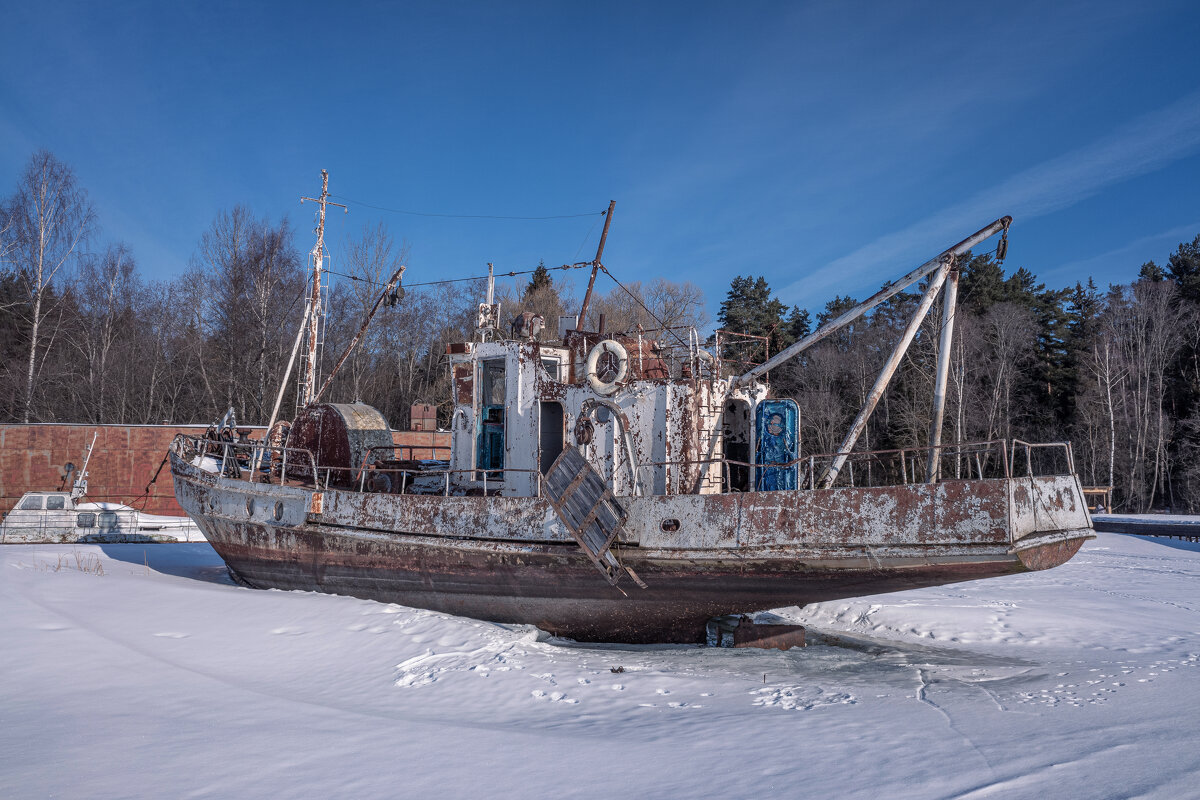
552 584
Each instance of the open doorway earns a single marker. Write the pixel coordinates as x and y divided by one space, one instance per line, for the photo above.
735 424
552 437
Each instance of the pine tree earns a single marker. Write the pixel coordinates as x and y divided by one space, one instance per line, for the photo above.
749 309
1184 269
1152 272
539 280
799 325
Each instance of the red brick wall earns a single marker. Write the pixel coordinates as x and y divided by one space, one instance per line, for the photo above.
124 460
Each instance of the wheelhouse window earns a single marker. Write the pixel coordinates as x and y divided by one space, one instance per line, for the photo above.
55 502
490 448
551 365
33 503
491 387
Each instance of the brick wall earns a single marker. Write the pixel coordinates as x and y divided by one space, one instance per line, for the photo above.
32 458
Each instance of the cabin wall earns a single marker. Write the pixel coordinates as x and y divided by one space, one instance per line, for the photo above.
649 436
32 458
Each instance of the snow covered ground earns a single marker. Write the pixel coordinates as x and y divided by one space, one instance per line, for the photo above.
142 671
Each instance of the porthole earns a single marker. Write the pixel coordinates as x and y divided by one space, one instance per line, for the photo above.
249 506
278 510
669 525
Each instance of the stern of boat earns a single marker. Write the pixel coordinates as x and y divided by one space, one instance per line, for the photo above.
1048 515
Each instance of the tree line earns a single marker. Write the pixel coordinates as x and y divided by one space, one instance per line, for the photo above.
86 337
1115 371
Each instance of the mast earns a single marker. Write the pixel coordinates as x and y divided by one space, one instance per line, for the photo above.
587 298
308 379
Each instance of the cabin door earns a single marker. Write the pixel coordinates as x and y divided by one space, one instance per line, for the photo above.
552 438
776 444
490 450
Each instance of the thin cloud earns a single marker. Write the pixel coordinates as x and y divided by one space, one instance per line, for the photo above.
1144 145
1129 255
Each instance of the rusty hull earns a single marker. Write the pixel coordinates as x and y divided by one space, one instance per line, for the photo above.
508 559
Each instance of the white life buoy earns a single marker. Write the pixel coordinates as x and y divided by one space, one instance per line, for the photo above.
614 350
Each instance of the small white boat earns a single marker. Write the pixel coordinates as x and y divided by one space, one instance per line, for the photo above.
56 517
64 517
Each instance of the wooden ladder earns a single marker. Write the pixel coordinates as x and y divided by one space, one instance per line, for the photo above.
589 511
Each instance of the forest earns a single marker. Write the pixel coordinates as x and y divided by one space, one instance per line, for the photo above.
85 337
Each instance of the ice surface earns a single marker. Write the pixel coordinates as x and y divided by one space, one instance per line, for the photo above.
1165 519
143 671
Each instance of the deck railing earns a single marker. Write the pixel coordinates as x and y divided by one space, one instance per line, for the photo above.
992 459
271 460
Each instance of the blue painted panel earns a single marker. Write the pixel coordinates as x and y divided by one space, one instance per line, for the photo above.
776 432
490 450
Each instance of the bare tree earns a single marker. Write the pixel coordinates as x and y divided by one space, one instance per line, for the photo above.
252 287
371 259
657 304
1148 324
106 290
48 220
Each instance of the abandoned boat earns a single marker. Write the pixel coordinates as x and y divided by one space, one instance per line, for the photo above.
56 517
62 517
607 487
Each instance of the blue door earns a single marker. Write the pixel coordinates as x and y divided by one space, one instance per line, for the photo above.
777 442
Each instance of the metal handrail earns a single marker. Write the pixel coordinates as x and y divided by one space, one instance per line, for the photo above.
446 473
804 458
366 459
202 446
1029 447
997 447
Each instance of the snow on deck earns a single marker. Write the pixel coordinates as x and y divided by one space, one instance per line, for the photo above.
142 671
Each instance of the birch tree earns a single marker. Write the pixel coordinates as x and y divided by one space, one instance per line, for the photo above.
48 219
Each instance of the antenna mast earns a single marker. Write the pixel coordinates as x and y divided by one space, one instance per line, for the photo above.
308 380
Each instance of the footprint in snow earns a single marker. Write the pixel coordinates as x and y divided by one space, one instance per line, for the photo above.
554 697
800 698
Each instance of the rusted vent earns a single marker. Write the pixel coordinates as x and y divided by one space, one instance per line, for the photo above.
669 525
278 510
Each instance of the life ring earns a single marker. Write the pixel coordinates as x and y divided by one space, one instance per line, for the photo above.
613 350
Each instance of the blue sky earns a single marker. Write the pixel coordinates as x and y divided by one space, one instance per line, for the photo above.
826 146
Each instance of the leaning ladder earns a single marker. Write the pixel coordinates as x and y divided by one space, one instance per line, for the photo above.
589 511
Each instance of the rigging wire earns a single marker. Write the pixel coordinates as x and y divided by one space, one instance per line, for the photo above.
510 274
638 300
588 236
464 216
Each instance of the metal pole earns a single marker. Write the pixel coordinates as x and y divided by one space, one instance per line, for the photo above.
309 386
885 376
391 284
587 297
883 294
949 305
287 373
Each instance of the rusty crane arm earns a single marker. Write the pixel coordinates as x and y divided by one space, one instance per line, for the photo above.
391 284
883 294
942 272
